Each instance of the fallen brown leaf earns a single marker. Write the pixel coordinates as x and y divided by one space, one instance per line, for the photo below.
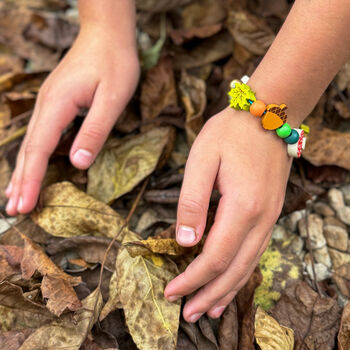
344 331
314 319
118 170
70 331
10 260
12 340
68 212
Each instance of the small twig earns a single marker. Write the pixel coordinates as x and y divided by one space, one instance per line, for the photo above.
18 118
17 134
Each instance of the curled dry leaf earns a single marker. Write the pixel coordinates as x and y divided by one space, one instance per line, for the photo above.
158 90
17 311
56 286
118 170
270 335
314 319
10 260
70 331
328 147
167 246
68 212
344 331
249 31
194 99
152 321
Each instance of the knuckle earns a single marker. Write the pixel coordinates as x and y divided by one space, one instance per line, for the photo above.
191 206
251 206
218 264
94 131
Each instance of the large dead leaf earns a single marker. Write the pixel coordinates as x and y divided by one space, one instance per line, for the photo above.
314 319
249 31
194 99
118 170
17 311
152 321
344 331
56 286
328 147
70 331
210 50
68 212
270 335
158 90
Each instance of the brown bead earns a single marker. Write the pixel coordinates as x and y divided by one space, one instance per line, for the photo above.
257 108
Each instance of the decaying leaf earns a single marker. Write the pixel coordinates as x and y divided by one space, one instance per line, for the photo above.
70 331
250 32
167 246
10 260
118 170
314 319
56 286
152 321
17 311
68 212
194 99
12 340
158 90
344 331
328 147
270 335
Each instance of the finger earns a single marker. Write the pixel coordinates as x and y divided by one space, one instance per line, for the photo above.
108 104
215 294
222 244
200 174
39 145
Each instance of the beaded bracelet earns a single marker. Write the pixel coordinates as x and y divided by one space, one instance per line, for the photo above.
273 116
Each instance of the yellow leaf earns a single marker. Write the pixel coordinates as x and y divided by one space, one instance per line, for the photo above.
119 169
270 335
152 321
69 212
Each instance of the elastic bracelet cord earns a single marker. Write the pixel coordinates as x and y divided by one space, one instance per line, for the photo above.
273 116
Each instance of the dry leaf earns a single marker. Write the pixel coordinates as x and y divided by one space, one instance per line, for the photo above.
10 260
249 31
5 177
158 90
270 335
17 311
228 331
210 50
159 5
118 170
314 319
56 285
194 99
153 322
70 331
12 340
68 212
167 246
344 331
113 301
328 147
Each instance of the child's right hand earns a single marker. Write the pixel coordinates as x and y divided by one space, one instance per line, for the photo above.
100 72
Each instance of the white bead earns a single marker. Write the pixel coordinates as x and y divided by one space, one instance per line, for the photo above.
245 79
295 149
234 82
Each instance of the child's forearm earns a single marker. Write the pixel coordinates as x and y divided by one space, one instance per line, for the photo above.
308 51
109 16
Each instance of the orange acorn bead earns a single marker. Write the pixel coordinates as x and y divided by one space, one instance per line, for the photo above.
257 108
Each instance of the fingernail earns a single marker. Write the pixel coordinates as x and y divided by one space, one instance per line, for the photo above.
9 205
82 158
172 298
218 311
8 189
20 204
195 317
185 235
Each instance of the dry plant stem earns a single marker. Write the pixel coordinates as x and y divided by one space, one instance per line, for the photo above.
17 134
19 118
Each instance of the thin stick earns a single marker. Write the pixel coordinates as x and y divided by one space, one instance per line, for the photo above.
17 134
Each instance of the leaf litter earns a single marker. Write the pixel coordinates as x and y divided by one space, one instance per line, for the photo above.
110 225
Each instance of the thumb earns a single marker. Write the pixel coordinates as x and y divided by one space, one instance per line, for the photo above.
200 175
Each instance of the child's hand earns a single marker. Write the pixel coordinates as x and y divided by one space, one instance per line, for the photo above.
250 167
100 71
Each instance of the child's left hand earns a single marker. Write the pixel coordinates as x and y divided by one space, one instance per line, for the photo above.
250 167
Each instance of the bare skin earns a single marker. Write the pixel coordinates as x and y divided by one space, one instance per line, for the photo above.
249 165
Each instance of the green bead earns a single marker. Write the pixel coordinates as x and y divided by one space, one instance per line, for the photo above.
284 131
292 138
